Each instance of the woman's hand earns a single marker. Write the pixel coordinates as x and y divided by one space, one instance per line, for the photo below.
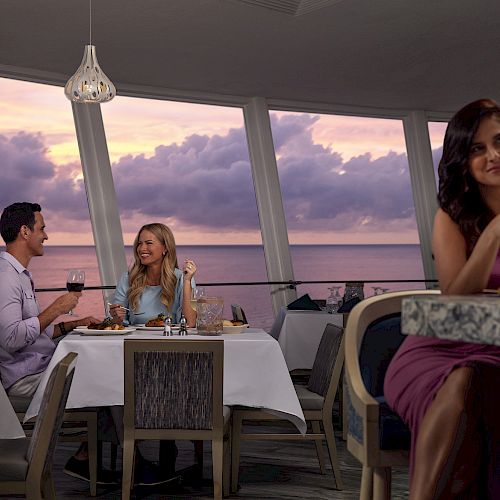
189 269
117 312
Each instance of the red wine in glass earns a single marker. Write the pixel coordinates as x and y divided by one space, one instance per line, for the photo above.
75 282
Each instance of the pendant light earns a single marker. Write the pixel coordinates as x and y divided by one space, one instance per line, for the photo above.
89 84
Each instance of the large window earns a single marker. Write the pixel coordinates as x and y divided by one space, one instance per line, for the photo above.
187 165
436 133
41 163
348 202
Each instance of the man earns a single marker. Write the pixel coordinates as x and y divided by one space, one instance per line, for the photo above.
26 334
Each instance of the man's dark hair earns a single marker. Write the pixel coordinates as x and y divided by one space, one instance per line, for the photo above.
15 216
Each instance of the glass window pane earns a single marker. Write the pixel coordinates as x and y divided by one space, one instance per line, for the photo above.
436 133
348 202
41 163
187 166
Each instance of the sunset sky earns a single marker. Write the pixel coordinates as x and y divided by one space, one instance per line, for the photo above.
343 179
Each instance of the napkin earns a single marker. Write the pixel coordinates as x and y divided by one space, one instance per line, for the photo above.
304 303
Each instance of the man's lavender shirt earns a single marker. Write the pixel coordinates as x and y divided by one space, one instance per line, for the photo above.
23 349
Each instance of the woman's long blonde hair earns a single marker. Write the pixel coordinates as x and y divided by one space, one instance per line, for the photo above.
137 278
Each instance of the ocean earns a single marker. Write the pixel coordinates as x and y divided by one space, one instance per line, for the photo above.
245 263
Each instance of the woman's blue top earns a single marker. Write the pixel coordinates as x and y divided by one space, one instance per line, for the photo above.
149 302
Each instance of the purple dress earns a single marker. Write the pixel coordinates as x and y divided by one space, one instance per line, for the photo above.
421 365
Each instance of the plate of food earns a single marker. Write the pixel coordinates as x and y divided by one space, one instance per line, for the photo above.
157 324
105 327
233 326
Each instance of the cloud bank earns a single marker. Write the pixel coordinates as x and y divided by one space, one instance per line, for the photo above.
205 183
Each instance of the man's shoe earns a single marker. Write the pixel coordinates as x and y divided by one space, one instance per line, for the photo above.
147 473
80 469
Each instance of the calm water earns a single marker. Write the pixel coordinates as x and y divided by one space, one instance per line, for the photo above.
222 264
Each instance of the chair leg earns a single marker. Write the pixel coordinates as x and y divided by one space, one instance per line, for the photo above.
332 451
366 491
92 451
217 466
319 446
382 483
128 466
235 451
48 489
226 475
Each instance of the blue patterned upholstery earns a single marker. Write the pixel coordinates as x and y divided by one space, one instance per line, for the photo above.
380 342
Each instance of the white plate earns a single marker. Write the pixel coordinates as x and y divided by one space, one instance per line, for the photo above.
154 328
234 328
83 330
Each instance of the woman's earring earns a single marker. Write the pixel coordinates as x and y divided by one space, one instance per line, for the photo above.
164 253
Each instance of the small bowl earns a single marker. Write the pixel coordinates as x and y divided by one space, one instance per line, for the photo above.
234 328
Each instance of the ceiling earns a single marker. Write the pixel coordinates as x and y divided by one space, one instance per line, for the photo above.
389 54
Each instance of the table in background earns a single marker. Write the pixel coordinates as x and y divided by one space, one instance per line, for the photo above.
300 335
10 428
255 372
464 318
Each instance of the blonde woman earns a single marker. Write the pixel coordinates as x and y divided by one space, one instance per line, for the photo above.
155 284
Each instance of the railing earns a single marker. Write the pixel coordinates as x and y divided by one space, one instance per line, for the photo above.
292 284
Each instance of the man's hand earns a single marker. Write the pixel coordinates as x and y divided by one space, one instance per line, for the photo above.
81 322
65 303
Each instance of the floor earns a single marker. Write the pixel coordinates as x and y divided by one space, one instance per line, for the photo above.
269 470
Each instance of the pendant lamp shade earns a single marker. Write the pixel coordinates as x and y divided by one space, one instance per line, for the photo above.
89 84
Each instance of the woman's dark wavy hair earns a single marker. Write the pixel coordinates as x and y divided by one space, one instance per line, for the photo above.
459 194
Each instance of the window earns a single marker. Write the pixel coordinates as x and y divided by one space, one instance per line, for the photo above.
41 163
348 202
187 165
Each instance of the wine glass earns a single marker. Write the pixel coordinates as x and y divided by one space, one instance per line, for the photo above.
377 290
196 293
333 301
75 282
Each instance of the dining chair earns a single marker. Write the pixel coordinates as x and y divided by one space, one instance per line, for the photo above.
376 436
316 400
78 425
26 463
173 390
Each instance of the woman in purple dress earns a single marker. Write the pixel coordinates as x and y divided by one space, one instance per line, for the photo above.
447 392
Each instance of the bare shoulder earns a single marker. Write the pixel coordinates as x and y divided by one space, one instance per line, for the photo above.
446 235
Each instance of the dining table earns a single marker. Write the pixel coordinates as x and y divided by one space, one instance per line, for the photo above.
300 334
10 427
255 372
464 318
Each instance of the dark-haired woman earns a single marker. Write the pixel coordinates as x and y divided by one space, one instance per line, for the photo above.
447 392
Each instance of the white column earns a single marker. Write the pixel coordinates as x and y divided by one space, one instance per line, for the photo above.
269 202
423 182
101 196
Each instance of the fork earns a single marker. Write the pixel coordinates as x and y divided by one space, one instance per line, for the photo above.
126 309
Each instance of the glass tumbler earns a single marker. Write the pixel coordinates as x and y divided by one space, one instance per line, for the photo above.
209 315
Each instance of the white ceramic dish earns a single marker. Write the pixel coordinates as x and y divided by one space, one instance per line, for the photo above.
234 328
154 328
83 330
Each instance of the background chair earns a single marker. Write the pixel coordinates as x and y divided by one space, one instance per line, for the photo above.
377 437
173 390
26 463
316 400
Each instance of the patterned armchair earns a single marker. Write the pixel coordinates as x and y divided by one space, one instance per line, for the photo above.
376 435
173 390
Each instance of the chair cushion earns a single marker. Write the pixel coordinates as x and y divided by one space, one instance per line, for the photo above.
309 400
321 373
380 342
19 403
393 432
13 460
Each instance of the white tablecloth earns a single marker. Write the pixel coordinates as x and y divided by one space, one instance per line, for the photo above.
301 334
255 372
10 427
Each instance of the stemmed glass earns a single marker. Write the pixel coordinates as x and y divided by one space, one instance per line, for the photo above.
377 290
196 293
75 282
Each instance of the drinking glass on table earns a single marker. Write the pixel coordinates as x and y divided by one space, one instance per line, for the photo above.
196 293
75 282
